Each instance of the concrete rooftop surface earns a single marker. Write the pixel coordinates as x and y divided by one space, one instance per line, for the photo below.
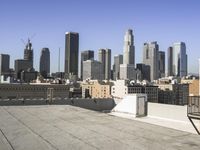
64 127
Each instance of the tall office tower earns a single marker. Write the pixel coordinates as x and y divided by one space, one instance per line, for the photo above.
161 64
179 59
22 65
45 62
71 53
28 52
86 55
118 59
150 57
145 71
4 64
129 48
170 61
105 59
92 69
128 72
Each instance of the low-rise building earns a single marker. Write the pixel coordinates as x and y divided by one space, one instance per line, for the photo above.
96 89
193 86
176 94
123 87
30 91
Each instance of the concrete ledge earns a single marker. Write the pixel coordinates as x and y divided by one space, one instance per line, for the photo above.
93 104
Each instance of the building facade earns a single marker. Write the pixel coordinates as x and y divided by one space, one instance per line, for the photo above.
30 91
176 94
95 89
170 61
93 70
179 59
21 65
104 56
145 71
128 72
86 55
118 60
28 53
45 62
4 64
129 48
161 64
123 87
150 57
71 53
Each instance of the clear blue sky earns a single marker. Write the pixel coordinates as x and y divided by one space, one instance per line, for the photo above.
100 23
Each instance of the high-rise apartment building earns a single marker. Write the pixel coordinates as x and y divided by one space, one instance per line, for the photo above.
28 52
4 64
129 48
118 59
105 58
86 55
170 61
161 64
45 62
71 53
179 59
150 57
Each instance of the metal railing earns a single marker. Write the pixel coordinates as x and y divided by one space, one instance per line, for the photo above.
193 110
193 106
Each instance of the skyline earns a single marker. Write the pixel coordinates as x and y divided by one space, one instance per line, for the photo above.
100 25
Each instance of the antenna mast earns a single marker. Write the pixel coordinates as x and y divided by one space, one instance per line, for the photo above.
59 60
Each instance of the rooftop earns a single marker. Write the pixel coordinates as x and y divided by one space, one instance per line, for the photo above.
69 127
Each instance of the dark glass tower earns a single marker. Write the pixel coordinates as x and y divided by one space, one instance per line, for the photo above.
45 62
170 61
71 53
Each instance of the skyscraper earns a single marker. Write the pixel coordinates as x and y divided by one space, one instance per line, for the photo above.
4 64
118 59
45 62
179 59
161 64
86 55
129 48
105 59
92 69
150 57
28 52
71 53
170 61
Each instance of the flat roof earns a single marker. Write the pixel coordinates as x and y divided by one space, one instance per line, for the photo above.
69 127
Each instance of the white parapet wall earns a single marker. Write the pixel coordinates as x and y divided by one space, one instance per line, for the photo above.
171 112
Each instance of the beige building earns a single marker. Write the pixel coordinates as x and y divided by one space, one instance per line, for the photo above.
96 89
193 86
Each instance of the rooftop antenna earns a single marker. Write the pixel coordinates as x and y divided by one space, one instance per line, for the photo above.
23 42
59 60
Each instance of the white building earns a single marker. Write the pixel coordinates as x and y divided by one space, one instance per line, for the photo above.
129 48
123 87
